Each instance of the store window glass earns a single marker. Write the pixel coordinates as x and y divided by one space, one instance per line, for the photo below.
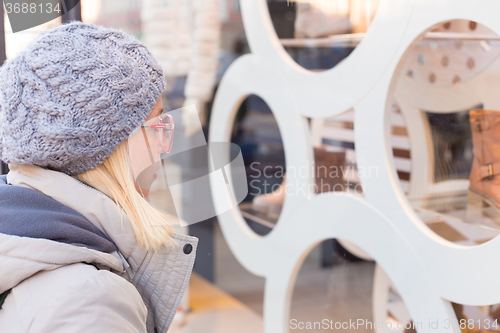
318 34
256 132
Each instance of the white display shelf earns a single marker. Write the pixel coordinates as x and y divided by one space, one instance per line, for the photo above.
385 68
346 40
352 40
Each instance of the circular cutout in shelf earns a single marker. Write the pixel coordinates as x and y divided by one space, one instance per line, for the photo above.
318 34
434 109
256 131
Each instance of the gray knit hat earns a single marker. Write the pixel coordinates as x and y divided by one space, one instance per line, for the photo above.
73 95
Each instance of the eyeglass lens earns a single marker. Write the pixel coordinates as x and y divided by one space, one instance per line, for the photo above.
166 136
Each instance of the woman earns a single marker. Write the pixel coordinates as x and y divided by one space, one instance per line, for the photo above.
80 248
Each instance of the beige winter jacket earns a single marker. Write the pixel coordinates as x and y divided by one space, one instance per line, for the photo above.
62 288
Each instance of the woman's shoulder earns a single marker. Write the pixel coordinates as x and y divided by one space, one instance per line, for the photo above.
77 295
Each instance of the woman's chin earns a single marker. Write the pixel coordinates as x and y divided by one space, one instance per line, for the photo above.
144 182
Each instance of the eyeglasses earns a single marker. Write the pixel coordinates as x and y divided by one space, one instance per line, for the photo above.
164 131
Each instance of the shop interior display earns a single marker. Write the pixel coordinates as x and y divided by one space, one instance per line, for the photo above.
328 167
312 22
318 18
484 189
437 73
319 34
412 65
256 132
313 19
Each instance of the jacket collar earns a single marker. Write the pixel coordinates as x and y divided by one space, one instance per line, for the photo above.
29 213
161 278
100 210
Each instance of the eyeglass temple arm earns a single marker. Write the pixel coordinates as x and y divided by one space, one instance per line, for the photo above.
160 126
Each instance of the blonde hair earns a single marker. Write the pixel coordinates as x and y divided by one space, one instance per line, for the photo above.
114 178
